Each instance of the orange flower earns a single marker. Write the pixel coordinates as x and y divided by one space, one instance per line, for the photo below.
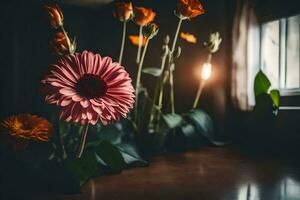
21 128
135 40
55 15
143 16
190 8
188 37
123 11
60 44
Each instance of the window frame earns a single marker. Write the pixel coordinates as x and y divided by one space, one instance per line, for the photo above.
283 27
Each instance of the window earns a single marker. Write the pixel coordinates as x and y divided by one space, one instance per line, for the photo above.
280 55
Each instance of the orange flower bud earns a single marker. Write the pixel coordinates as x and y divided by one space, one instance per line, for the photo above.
55 15
190 8
123 11
135 40
150 30
60 44
143 16
188 37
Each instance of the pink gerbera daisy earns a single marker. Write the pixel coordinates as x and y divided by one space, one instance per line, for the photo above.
89 88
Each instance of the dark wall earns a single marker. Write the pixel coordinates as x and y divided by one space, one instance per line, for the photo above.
25 52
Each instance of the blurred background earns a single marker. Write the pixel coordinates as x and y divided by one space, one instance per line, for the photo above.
26 55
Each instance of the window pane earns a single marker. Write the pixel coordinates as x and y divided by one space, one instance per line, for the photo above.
282 53
270 51
292 54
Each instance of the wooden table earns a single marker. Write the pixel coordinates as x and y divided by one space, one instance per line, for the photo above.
206 174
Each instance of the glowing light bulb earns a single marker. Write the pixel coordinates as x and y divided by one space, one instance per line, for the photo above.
206 71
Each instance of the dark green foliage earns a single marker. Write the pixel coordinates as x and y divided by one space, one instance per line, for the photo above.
203 123
111 156
192 130
173 120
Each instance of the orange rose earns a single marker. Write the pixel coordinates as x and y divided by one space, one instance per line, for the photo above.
188 37
60 44
135 40
123 11
190 8
55 15
143 16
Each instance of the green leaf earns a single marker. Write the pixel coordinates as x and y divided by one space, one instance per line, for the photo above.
130 155
275 95
152 71
83 168
111 156
111 133
129 127
261 83
264 106
202 123
173 120
192 138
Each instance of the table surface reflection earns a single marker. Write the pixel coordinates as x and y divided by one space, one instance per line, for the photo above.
206 174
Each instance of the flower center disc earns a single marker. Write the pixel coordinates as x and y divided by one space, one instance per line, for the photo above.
91 86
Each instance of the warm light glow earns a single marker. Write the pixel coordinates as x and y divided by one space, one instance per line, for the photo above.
206 71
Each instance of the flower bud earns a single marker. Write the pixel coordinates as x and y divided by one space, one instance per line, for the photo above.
143 16
150 30
123 11
167 40
61 44
214 42
55 15
177 52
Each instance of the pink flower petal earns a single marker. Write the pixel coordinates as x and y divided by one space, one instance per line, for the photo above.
67 91
62 83
76 98
85 103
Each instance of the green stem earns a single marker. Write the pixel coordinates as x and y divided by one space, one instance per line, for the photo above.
209 57
138 79
172 65
63 153
158 87
171 81
67 37
176 35
123 42
160 99
138 56
200 89
201 85
82 141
